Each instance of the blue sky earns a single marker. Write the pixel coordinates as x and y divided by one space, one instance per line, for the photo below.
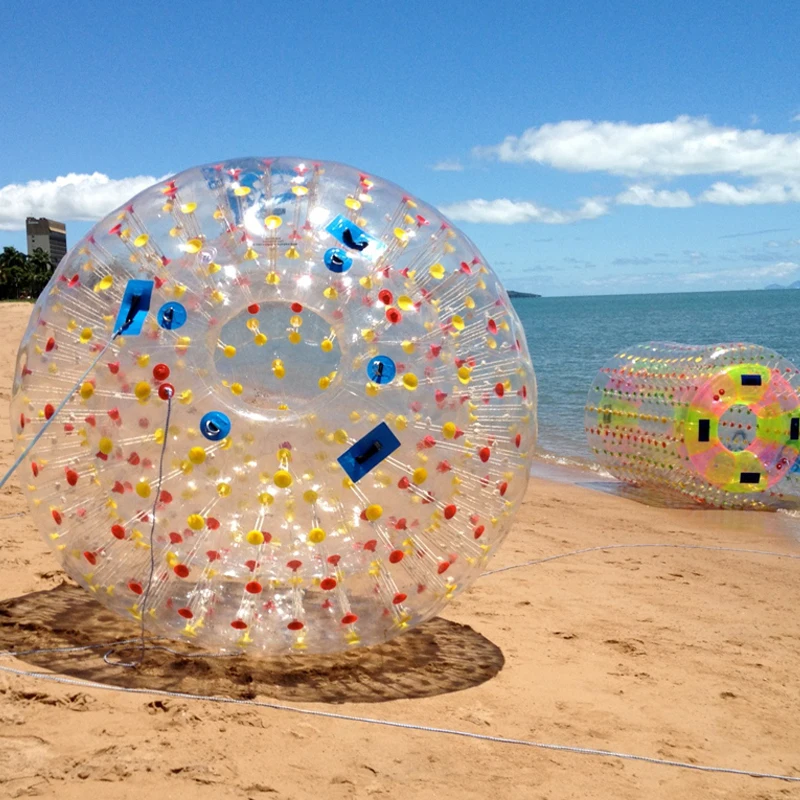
586 147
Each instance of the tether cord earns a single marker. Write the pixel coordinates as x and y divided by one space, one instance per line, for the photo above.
60 407
329 714
146 595
13 468
407 725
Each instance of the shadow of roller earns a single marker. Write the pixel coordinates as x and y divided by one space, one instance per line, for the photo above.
436 658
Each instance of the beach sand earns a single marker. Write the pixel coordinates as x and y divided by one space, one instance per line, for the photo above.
689 655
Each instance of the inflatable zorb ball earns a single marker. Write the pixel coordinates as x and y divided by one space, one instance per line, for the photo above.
718 423
352 408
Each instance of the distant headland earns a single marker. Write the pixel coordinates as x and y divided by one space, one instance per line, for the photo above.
512 293
794 285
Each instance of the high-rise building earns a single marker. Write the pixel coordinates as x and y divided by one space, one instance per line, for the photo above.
49 235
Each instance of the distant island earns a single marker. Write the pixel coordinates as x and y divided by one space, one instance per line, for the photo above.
512 293
794 285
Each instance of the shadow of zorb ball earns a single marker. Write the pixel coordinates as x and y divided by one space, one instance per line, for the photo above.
313 408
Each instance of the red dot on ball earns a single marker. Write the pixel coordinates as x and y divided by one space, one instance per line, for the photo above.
254 308
161 372
166 391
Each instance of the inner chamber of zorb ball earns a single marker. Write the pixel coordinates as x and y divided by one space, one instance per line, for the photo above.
351 409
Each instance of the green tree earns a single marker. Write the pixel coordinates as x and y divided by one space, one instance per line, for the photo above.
23 277
40 269
13 269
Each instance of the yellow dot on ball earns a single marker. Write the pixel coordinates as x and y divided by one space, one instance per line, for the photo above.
143 489
272 222
87 390
86 335
142 390
374 512
324 383
223 489
316 535
237 388
105 446
310 496
260 339
464 374
195 522
255 537
410 381
326 345
282 479
266 499
449 430
420 475
141 240
197 455
340 436
104 283
229 350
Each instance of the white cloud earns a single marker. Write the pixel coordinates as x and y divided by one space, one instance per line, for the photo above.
640 195
796 118
684 146
448 166
67 198
744 276
781 269
726 194
512 212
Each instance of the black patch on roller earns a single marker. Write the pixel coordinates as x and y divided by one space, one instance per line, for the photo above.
751 380
794 429
704 434
750 477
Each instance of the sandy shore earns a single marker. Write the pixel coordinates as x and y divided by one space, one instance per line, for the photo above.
677 654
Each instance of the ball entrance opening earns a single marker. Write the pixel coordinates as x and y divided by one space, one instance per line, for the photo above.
737 428
278 356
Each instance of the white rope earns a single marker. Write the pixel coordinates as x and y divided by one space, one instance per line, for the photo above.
46 676
713 548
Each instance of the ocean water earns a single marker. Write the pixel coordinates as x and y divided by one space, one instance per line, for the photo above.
570 338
